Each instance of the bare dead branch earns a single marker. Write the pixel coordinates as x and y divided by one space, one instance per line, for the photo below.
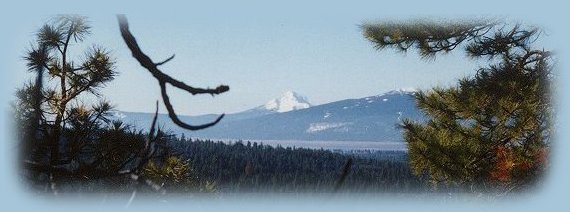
152 127
165 61
147 63
145 154
343 175
174 117
162 78
148 182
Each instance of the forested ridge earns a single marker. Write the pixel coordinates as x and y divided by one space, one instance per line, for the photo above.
247 166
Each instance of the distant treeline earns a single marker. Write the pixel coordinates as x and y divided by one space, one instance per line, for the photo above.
251 167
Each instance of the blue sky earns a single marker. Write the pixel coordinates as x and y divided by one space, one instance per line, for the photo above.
260 52
262 49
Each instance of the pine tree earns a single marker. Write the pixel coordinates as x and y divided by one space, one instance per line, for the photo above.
55 126
491 130
52 52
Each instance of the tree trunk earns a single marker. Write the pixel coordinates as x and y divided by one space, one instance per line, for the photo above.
56 136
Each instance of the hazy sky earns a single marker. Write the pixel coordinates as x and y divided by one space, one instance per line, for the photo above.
259 51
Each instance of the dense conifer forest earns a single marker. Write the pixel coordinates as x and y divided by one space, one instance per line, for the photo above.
250 167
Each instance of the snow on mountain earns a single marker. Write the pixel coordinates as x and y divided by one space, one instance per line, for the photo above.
373 118
292 117
401 91
322 126
287 102
118 114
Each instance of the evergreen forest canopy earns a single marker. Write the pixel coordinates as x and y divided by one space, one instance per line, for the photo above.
491 132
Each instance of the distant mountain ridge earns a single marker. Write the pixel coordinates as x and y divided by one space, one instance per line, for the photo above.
292 117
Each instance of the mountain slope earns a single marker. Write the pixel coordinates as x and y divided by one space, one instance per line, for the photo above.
373 118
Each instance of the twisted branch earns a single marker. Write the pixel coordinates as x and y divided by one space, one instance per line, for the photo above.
163 79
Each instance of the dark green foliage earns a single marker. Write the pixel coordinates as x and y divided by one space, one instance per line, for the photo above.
64 140
254 168
96 153
493 129
429 37
207 166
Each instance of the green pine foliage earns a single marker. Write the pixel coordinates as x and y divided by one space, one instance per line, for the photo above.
491 130
173 174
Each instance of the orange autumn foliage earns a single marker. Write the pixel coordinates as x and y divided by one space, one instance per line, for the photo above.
507 163
504 165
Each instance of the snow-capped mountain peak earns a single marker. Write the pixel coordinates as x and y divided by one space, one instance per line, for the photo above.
287 102
402 91
118 114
